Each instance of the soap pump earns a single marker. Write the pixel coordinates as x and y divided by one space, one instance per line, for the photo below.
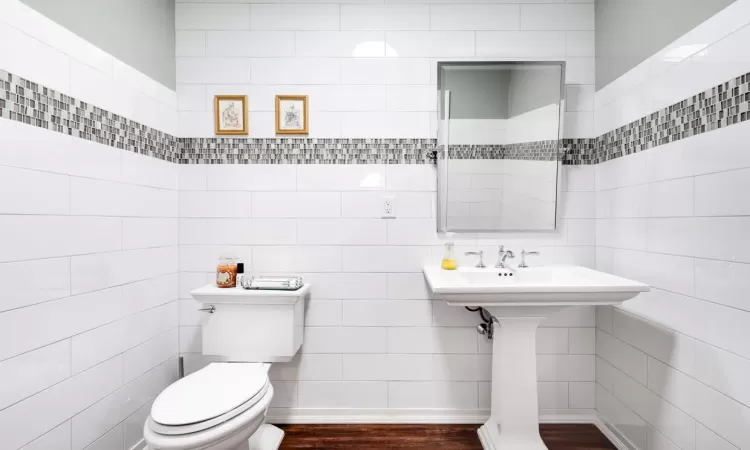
449 261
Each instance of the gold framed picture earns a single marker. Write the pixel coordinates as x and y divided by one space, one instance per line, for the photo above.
292 114
230 112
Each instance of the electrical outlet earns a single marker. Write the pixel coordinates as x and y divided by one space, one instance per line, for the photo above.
389 207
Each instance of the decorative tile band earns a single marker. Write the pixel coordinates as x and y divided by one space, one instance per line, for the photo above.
719 107
28 102
305 151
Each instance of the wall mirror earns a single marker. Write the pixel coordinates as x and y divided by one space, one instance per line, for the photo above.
499 145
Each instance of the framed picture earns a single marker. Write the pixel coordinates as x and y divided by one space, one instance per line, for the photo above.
230 112
292 114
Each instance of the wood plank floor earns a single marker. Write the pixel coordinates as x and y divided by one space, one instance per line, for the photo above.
426 437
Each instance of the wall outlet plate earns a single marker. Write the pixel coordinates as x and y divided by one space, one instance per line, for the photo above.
389 207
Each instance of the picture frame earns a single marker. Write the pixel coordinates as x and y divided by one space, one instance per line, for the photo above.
229 118
292 114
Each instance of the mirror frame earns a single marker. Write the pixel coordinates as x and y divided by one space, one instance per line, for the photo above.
442 172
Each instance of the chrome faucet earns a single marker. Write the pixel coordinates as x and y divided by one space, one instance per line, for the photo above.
503 255
480 253
524 254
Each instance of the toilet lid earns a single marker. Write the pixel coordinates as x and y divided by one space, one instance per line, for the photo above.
208 393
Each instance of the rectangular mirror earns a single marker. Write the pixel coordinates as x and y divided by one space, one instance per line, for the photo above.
499 137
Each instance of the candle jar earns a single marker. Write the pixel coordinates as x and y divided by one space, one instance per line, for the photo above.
226 272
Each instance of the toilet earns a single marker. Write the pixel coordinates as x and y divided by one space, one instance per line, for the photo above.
223 406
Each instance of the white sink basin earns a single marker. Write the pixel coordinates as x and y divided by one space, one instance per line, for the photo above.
536 286
518 301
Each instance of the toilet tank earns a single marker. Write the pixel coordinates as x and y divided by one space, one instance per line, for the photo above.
252 325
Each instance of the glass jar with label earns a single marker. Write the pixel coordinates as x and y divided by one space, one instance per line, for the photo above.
226 272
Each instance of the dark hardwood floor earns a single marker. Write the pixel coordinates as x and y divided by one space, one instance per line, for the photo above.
425 437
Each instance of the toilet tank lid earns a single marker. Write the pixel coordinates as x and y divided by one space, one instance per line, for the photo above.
208 393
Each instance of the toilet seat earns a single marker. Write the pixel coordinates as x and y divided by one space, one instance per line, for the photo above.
208 397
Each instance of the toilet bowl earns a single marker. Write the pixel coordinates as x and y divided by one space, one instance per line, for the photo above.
223 405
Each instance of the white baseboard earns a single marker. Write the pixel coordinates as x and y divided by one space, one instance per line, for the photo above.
617 439
141 445
410 416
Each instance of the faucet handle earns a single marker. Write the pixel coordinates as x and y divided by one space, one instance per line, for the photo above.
524 254
480 253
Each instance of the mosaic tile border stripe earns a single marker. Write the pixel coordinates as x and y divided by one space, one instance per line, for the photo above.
28 102
719 107
361 151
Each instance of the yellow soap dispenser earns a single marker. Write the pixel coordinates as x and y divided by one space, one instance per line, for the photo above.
449 262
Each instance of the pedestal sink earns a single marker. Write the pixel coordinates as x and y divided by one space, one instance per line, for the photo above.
519 300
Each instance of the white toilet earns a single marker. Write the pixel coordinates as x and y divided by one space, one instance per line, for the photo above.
223 406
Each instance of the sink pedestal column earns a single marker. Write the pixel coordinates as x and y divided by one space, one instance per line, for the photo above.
514 419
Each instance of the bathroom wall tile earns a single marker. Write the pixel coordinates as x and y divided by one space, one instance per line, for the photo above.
286 394
104 198
349 286
582 340
722 414
342 232
294 17
716 194
566 367
249 43
340 394
55 285
213 70
385 259
296 71
115 408
340 43
433 394
196 16
390 367
580 43
417 44
97 345
475 17
722 282
385 71
29 373
190 43
345 340
36 237
32 192
521 44
330 177
112 439
308 367
622 356
323 313
462 367
228 177
581 395
296 204
557 17
277 259
55 405
385 17
432 340
56 439
408 286
393 313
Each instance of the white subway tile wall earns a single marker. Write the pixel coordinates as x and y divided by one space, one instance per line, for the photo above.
370 67
89 319
89 254
374 337
672 364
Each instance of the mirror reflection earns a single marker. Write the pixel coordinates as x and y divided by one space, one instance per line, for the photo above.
498 138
